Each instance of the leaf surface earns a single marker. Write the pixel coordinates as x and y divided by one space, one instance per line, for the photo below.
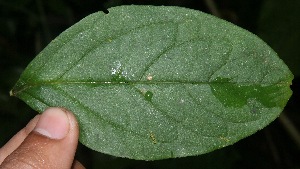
152 83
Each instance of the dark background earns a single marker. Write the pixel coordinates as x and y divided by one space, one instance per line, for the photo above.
27 26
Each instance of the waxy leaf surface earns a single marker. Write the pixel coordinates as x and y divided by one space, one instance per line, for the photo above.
152 83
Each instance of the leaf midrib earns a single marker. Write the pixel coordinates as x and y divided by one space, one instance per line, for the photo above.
28 86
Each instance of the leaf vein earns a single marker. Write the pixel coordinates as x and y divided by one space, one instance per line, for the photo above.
96 114
100 42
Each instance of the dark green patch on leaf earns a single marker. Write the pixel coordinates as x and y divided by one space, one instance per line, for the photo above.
238 95
148 95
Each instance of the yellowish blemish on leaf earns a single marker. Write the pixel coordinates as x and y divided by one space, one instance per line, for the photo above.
149 77
143 91
224 139
152 136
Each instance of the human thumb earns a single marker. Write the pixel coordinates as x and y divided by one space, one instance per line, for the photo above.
51 144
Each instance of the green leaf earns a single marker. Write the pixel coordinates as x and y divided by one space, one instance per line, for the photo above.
151 82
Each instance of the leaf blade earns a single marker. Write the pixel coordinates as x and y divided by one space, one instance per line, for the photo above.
158 82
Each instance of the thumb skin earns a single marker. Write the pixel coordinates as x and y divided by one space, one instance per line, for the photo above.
51 144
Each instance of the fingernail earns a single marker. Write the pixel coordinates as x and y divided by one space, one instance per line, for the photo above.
53 123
